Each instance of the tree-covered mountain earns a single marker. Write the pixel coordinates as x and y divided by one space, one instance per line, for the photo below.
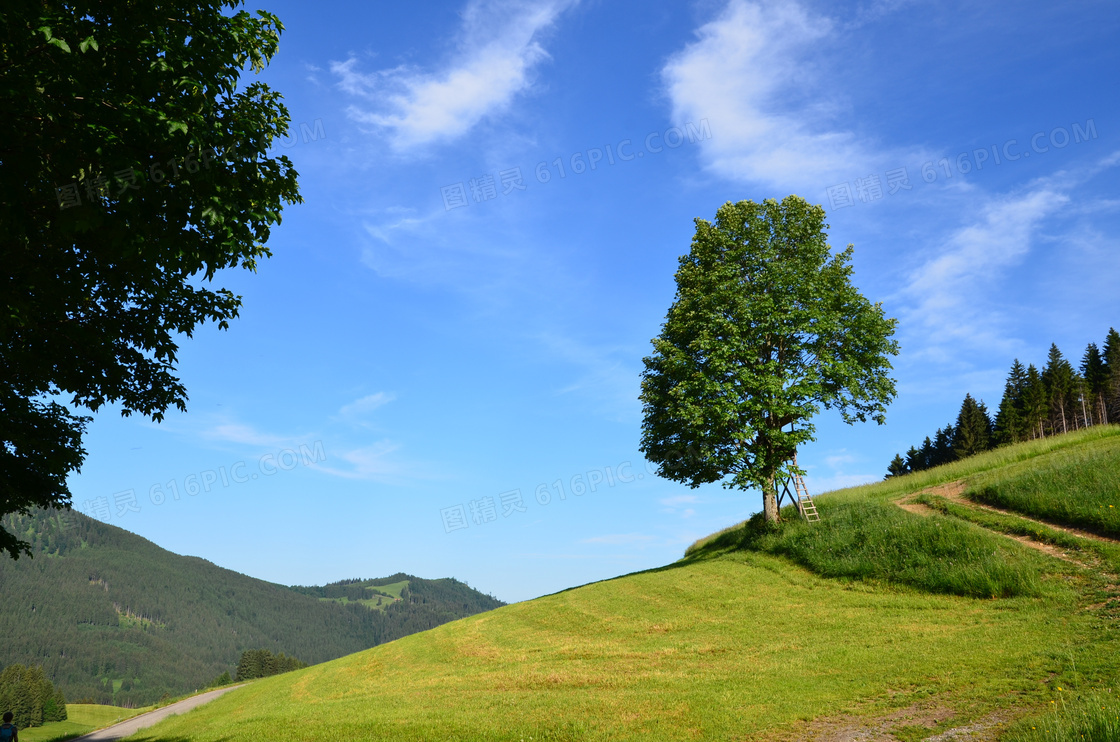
112 617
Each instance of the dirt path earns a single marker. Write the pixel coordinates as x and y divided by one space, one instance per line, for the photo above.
143 721
954 492
847 728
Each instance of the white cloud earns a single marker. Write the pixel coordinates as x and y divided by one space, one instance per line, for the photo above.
366 405
247 435
375 462
946 293
753 74
834 462
498 47
671 505
617 539
606 374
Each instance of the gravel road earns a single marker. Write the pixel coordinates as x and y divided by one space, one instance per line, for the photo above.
143 721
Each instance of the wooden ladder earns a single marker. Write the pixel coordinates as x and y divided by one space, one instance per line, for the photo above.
800 496
805 504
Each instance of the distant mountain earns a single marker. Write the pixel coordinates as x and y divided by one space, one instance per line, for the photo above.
114 618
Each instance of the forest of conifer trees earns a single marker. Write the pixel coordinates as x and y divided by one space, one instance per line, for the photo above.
1035 404
30 696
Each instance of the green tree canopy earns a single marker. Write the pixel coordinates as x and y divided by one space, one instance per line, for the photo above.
1011 425
973 431
1111 356
133 168
765 330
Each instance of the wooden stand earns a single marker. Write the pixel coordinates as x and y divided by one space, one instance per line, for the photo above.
799 496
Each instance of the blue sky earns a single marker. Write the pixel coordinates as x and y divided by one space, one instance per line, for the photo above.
459 310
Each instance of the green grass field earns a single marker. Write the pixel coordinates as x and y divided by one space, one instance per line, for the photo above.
755 634
82 718
392 590
1076 487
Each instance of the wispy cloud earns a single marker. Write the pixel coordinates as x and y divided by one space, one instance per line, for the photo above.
755 73
672 505
362 407
605 374
617 539
247 435
374 462
739 74
945 294
498 47
960 295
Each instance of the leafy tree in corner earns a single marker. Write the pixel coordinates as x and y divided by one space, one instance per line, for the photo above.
766 328
133 169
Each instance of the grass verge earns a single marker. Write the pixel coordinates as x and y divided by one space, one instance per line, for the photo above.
1095 718
878 541
1013 525
82 719
1077 487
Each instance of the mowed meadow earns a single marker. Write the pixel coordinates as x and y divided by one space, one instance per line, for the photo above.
912 623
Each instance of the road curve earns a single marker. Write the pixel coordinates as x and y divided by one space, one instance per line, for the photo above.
143 721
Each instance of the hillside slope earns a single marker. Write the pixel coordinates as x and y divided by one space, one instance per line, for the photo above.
738 640
115 618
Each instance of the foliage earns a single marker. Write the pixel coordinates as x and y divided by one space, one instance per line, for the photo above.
261 663
133 169
973 431
766 329
30 696
68 609
223 679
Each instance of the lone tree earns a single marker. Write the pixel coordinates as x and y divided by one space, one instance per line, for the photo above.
133 168
766 328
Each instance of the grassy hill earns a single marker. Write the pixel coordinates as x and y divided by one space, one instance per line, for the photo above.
116 619
876 621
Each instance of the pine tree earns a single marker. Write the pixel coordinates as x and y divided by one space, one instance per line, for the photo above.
1058 380
1011 424
1034 403
1111 353
973 429
1096 381
896 468
913 459
926 453
943 445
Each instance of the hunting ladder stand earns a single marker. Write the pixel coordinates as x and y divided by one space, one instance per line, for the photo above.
800 496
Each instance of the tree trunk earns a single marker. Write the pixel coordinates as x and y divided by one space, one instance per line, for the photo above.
770 501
